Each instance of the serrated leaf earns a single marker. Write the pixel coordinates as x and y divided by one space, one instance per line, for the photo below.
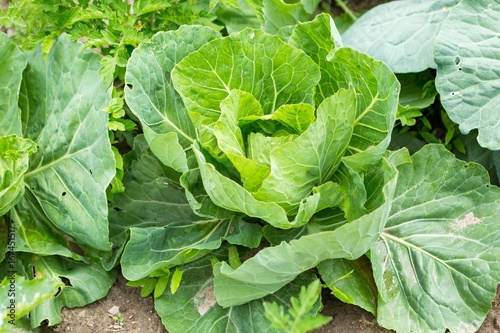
436 262
466 57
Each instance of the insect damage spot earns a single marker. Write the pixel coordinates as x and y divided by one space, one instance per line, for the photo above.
205 300
468 220
457 60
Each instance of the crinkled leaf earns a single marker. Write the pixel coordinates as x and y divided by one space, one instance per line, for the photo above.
436 262
193 307
468 65
274 267
87 284
401 33
62 101
26 296
152 97
12 64
14 160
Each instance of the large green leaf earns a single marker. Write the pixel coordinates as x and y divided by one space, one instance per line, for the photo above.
468 65
318 38
400 33
14 160
180 243
193 307
85 284
157 213
152 98
251 60
36 234
274 267
62 101
12 64
436 263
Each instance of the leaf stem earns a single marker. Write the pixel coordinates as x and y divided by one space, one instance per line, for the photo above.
346 9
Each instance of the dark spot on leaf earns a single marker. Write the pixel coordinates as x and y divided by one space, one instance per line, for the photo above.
117 209
66 281
457 60
90 170
459 68
63 194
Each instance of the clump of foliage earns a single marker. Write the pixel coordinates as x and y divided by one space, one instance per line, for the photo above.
268 158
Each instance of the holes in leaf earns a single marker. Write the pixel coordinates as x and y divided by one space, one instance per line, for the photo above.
457 60
90 170
63 194
118 209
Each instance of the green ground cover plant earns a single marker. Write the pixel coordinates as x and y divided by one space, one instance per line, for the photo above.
271 157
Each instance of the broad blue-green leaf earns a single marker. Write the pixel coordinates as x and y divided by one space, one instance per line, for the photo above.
275 14
468 65
62 100
180 243
321 147
152 97
12 64
251 60
20 296
274 267
87 284
193 307
14 160
436 262
401 33
351 281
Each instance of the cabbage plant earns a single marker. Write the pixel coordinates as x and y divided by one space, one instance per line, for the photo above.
282 140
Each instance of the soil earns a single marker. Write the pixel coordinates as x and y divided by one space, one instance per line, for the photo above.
139 314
